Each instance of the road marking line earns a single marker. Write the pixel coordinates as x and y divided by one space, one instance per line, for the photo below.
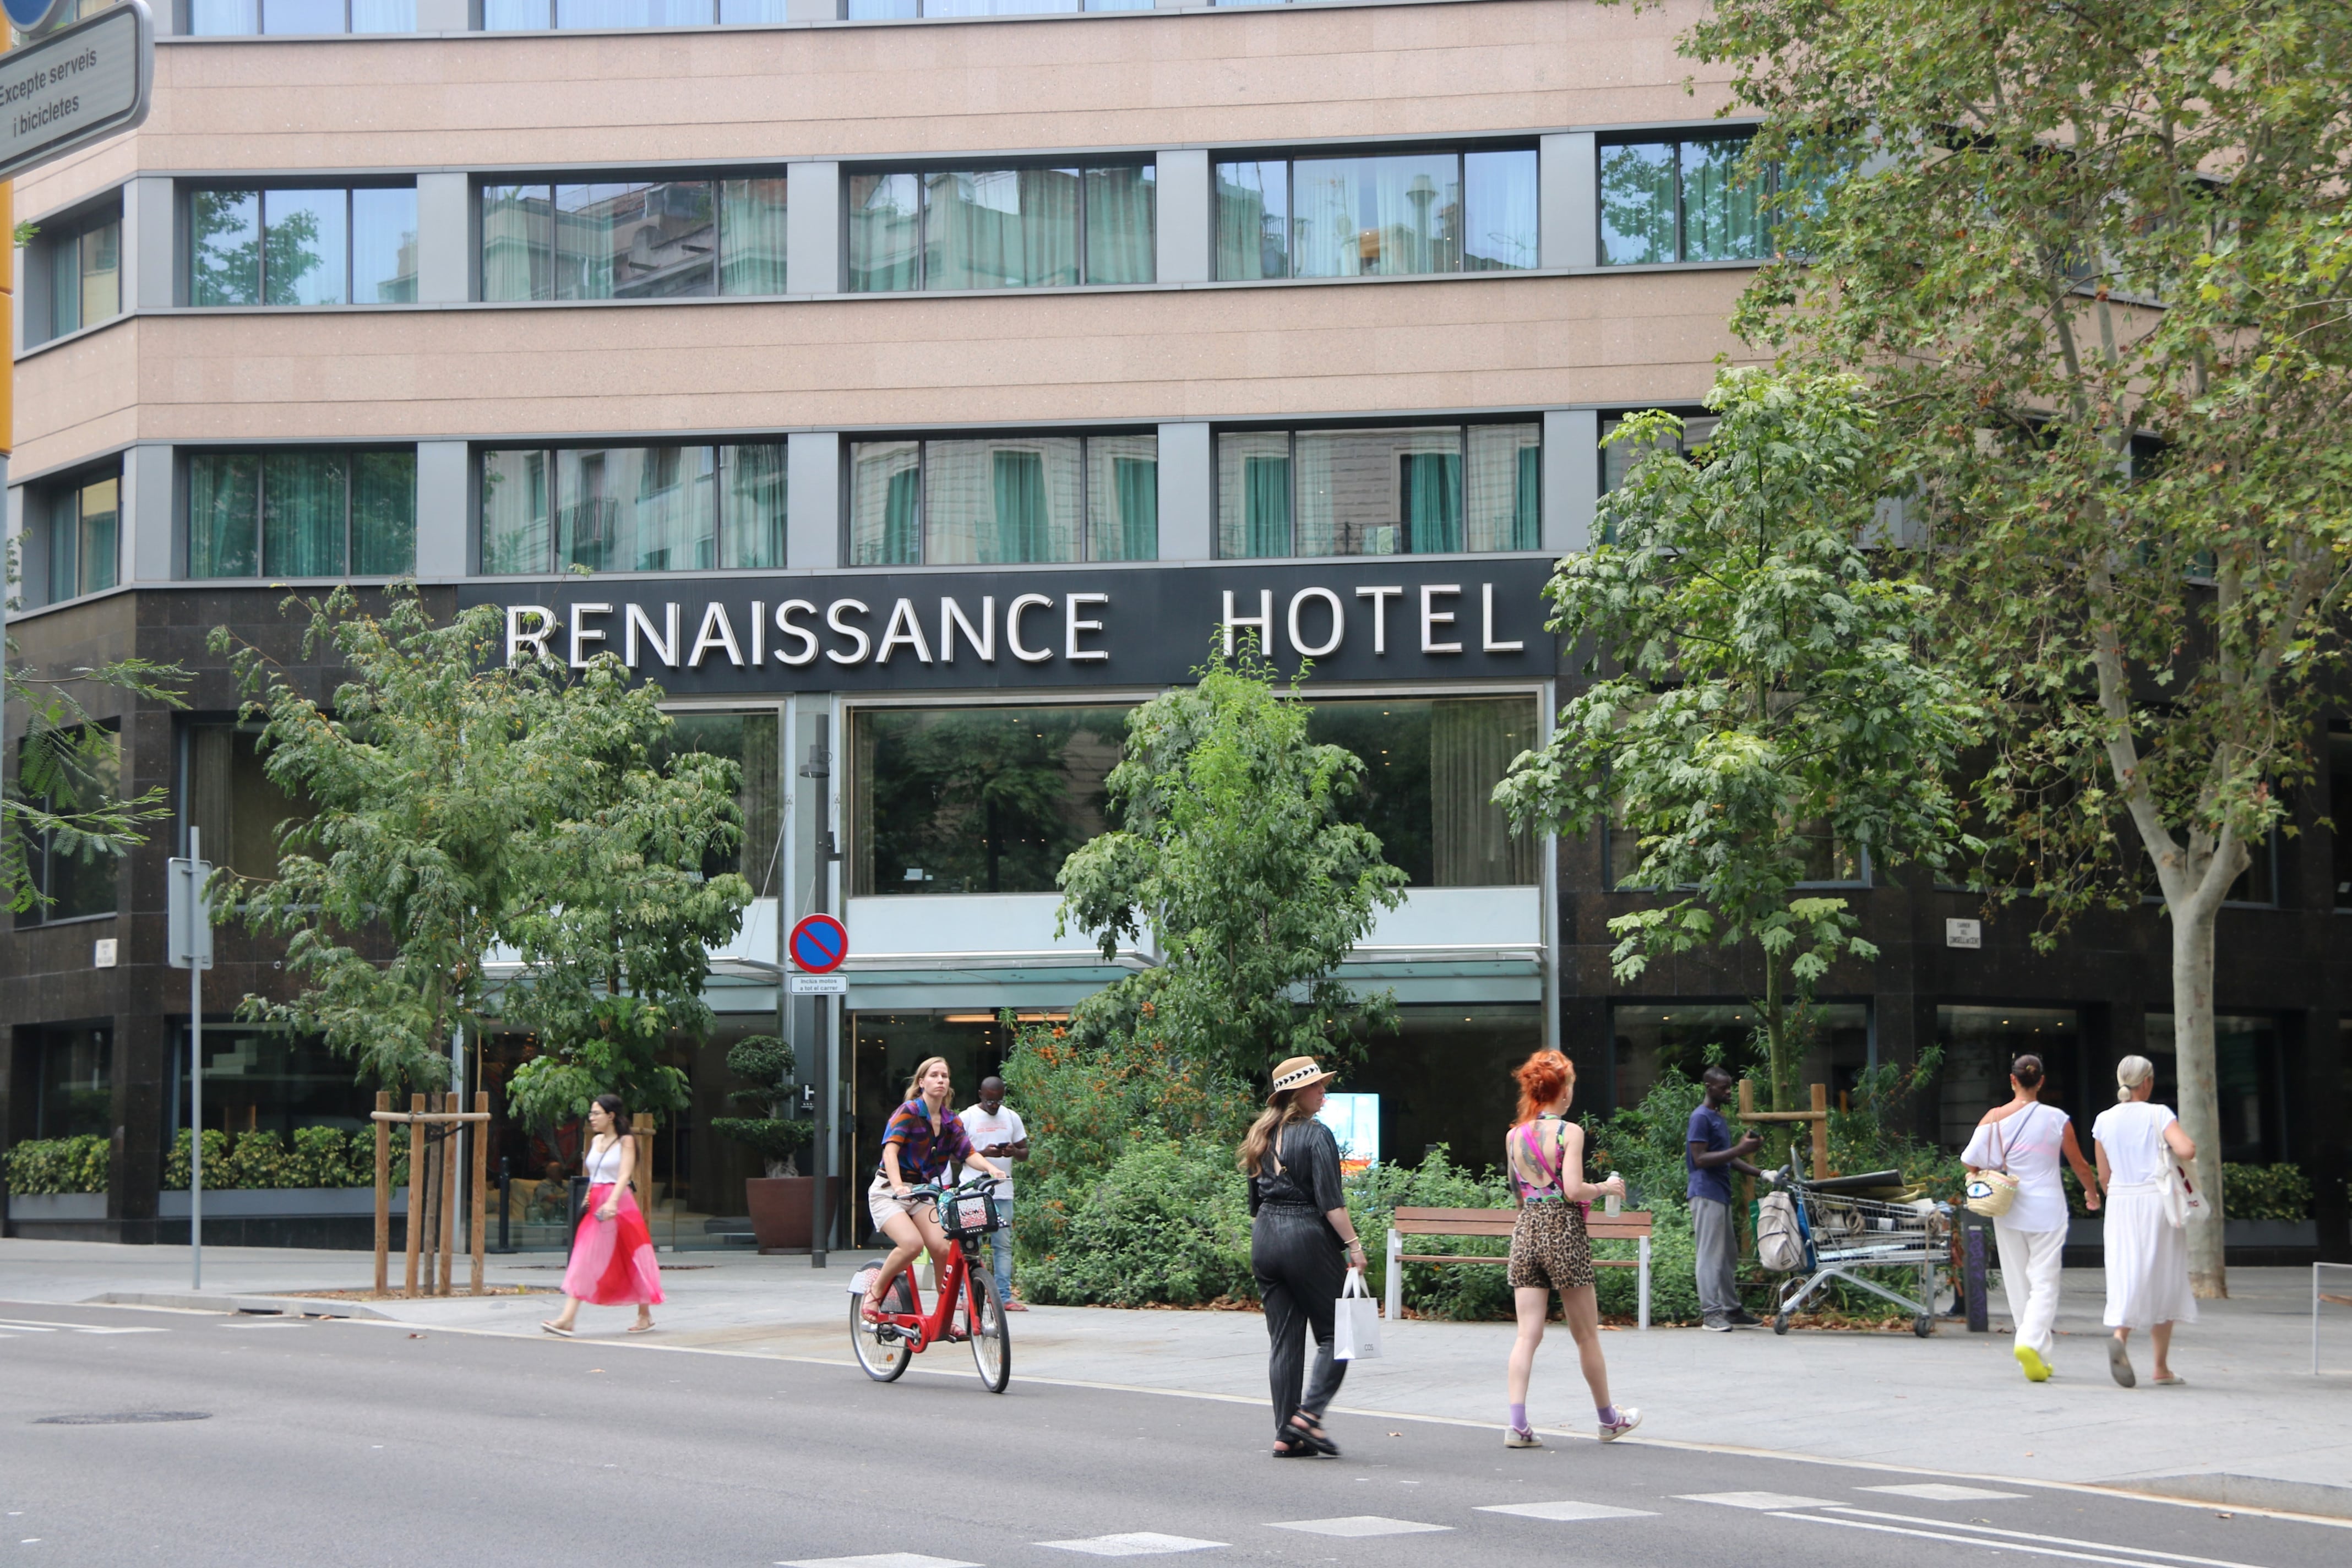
1942 1491
879 1560
1988 1545
1772 1502
1565 1511
27 1328
1359 1524
40 1326
1134 1543
2054 1540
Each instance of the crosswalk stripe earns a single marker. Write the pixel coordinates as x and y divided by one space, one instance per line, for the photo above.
1359 1524
1133 1543
32 1326
878 1559
1566 1512
2053 1539
2030 1551
1942 1491
1772 1502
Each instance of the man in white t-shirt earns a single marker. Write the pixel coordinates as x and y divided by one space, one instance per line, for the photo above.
997 1134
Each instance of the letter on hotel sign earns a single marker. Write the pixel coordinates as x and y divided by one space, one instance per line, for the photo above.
581 635
862 644
662 640
793 629
1433 617
1073 627
1487 624
1012 613
518 638
1380 598
1263 621
1339 624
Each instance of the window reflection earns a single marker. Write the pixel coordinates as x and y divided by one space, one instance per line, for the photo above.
84 767
1002 228
749 741
1651 1039
1002 499
328 245
1366 216
644 239
1429 770
633 508
303 512
1681 200
80 541
1379 492
977 800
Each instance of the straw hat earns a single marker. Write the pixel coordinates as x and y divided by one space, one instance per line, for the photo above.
1297 1073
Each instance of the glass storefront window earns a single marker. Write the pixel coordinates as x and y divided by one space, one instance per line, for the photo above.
1647 1038
976 800
80 882
264 1082
1002 228
1682 200
72 1083
1002 499
1618 458
1445 1078
232 800
2247 1081
2340 813
1379 492
633 508
1431 766
634 239
301 512
1978 1045
332 246
749 742
1377 215
79 544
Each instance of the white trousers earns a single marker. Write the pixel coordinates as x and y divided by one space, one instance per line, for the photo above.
2029 1276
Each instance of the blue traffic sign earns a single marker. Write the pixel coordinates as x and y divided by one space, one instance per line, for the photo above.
818 945
29 14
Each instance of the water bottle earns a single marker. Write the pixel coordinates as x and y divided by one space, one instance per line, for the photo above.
1612 1204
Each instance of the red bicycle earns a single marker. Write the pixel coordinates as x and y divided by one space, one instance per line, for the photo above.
966 1308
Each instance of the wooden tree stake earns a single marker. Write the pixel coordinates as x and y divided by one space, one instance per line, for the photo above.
415 1207
479 1134
382 1193
451 1104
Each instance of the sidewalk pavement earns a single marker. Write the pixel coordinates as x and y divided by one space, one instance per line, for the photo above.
2251 1427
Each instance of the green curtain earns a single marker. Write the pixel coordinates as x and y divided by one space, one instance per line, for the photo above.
305 502
1121 207
751 237
751 534
886 228
1433 501
1019 494
1265 506
101 506
224 498
1527 515
1137 483
1471 744
902 535
1001 228
383 514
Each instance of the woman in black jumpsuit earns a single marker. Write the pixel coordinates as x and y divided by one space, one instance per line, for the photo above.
1302 1244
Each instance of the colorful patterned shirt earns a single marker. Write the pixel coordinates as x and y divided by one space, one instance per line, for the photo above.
924 1155
1534 1152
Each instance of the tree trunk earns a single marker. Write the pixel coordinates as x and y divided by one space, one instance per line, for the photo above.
2200 1108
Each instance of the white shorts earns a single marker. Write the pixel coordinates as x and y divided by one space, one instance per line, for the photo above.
881 1203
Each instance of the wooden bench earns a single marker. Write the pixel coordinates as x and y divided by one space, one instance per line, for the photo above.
1633 1223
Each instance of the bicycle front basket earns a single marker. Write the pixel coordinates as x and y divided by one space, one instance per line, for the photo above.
965 1214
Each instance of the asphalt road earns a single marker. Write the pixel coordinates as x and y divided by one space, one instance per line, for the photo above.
346 1442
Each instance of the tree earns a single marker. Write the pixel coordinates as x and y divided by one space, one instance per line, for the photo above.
767 1062
1229 845
617 907
2093 258
1761 706
430 768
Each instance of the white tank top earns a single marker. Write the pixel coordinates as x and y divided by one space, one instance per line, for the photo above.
2029 1142
602 1166
2133 1135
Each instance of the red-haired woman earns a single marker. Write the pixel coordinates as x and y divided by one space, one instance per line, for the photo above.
1543 1153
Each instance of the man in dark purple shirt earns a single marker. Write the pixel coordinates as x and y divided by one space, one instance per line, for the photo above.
1710 1156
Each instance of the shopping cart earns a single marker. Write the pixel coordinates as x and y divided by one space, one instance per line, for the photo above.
1844 1232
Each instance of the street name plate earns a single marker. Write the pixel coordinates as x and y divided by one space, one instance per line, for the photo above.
77 85
820 984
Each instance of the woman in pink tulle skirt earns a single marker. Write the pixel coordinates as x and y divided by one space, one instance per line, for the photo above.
612 1253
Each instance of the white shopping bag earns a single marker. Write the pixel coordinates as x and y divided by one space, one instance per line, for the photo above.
1356 1321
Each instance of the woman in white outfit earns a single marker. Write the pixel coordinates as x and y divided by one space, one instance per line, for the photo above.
2027 1137
2147 1257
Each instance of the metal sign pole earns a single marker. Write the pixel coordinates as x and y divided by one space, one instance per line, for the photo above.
196 1071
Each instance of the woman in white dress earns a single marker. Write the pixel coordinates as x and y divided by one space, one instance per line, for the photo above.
2147 1257
2027 1138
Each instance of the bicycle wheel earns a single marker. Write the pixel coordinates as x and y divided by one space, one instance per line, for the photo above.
884 1356
991 1344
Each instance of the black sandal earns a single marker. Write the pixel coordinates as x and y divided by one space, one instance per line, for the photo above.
1317 1441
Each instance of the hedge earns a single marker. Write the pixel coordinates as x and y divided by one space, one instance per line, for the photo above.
320 1157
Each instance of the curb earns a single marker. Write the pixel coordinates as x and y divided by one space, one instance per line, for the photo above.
258 1306
2246 1491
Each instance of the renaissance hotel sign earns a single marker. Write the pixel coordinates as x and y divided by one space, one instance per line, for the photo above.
1458 618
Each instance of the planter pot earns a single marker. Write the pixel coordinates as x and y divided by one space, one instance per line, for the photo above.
279 1202
779 1206
57 1206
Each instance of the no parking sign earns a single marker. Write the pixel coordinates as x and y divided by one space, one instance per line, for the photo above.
818 945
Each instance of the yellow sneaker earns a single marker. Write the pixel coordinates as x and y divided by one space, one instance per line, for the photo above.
2036 1369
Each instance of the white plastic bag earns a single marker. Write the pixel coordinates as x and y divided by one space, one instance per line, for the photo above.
1355 1321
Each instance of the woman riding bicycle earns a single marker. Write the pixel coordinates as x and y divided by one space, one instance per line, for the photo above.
921 1144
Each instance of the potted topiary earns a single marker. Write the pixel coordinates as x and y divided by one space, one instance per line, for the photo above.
778 1201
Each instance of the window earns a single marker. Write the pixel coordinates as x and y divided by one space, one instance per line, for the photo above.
1379 492
77 544
1442 1076
232 802
1431 766
1002 499
246 18
73 1082
1979 1043
643 240
538 16
330 245
303 512
977 800
1617 459
1680 201
891 10
1647 1039
1002 228
2248 1079
67 771
85 264
750 741
1826 862
2339 812
1376 215
633 508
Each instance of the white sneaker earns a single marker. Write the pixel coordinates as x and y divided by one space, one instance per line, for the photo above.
1522 1437
1627 1419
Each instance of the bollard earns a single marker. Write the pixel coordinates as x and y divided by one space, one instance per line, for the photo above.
1972 1239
